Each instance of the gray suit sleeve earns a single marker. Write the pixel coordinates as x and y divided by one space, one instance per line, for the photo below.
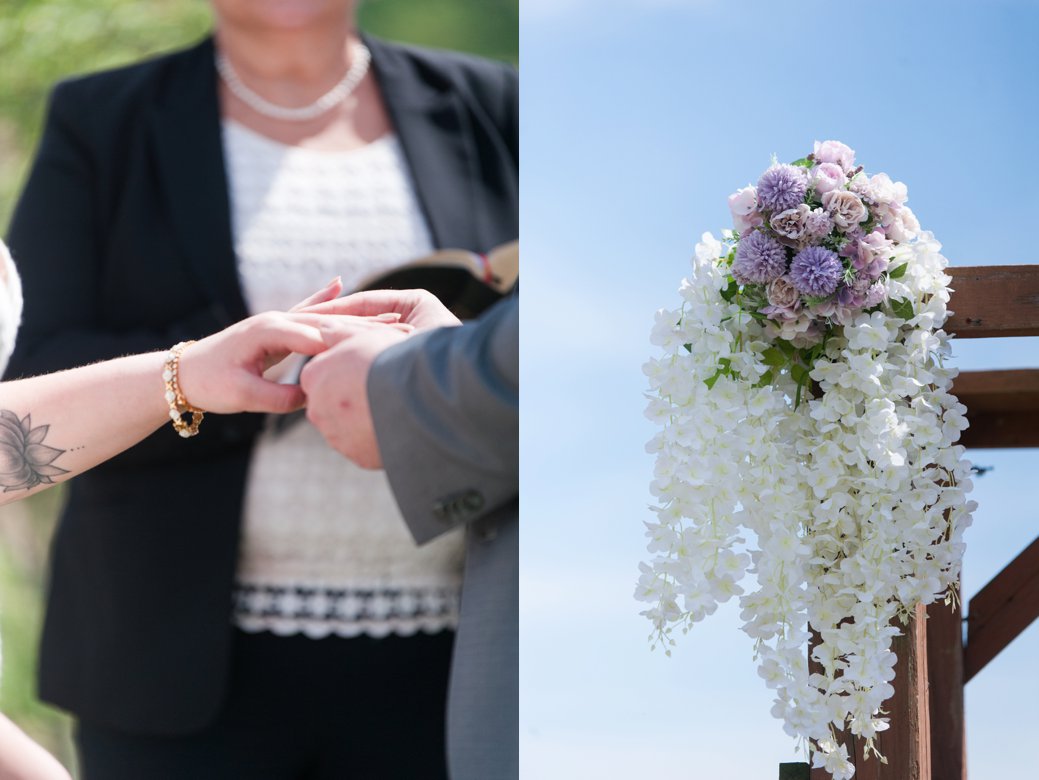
445 404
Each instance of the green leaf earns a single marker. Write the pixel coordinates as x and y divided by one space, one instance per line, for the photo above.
730 292
899 272
799 374
787 348
688 347
804 162
766 379
903 308
774 357
724 367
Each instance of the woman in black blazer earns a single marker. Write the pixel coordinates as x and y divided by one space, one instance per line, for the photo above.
125 243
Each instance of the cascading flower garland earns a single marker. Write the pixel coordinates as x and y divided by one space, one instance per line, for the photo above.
803 397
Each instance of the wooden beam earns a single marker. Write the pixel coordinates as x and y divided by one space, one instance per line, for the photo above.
1002 407
1002 610
945 688
995 300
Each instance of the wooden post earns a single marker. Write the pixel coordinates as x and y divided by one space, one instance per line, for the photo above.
945 670
907 743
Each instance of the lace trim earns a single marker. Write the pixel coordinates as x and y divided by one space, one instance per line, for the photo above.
318 612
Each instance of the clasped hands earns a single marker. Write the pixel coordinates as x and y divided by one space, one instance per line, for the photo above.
224 373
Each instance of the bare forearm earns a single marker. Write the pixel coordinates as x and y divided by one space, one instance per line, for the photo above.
55 426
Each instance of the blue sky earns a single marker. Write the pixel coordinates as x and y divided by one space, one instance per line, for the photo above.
639 117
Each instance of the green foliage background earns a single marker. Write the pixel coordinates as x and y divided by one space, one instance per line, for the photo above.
42 41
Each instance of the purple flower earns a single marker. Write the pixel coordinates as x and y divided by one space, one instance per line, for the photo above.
818 224
876 293
816 271
849 297
782 187
759 259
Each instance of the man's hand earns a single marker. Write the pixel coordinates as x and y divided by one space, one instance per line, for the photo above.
224 372
415 307
336 386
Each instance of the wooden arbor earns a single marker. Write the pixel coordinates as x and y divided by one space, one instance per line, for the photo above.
926 738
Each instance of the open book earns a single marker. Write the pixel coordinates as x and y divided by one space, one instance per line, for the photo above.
466 282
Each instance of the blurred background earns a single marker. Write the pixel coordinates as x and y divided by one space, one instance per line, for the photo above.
43 41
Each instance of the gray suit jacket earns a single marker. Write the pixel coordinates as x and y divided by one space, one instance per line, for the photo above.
446 410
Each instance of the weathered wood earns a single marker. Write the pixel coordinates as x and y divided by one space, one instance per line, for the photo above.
1002 407
996 300
907 744
1002 610
945 676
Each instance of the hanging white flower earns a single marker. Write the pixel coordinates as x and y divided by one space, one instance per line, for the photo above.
825 468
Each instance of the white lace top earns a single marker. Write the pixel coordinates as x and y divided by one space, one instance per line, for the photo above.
10 313
324 549
10 306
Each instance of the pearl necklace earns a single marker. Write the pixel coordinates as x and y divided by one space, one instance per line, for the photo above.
331 99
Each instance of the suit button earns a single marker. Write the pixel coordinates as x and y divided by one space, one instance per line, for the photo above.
458 507
473 501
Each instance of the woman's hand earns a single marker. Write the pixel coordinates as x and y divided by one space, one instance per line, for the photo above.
415 307
329 292
224 372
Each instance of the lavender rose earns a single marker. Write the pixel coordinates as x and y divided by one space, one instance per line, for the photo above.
827 177
846 209
782 294
791 223
834 152
743 204
902 225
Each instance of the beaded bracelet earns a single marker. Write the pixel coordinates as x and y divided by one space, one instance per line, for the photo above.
175 398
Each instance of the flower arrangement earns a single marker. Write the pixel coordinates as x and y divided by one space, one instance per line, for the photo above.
808 437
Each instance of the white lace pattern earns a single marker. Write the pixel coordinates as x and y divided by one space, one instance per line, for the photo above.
324 549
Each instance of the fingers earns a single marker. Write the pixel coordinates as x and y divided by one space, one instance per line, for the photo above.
330 291
260 395
366 304
316 319
285 335
336 329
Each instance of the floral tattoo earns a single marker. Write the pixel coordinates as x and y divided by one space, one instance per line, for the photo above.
25 461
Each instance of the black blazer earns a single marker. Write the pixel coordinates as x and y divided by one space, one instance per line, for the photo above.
123 241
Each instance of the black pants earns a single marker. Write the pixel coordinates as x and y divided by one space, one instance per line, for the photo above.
302 709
